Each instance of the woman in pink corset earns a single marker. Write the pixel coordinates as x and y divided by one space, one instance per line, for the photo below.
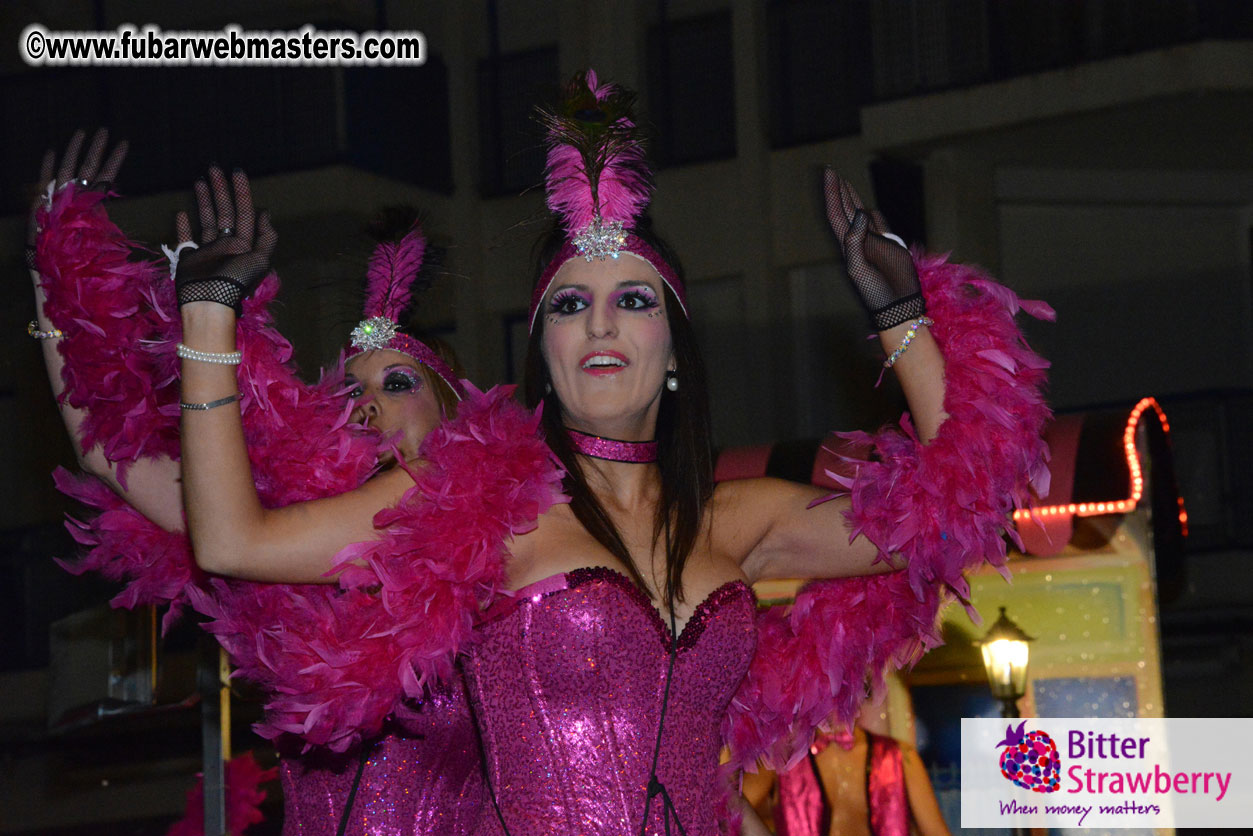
620 660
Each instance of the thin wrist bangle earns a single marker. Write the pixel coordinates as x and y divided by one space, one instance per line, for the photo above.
201 407
221 358
909 338
32 329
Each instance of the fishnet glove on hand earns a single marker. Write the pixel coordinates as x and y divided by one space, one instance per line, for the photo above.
90 175
235 244
881 268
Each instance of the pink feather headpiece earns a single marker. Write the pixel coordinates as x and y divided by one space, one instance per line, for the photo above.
598 181
389 290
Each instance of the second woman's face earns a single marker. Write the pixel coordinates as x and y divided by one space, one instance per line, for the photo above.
607 344
394 396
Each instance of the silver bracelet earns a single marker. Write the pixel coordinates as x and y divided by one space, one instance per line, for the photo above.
201 407
225 359
909 338
32 329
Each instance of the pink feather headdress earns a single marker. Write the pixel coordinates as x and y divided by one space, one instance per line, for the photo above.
389 289
598 181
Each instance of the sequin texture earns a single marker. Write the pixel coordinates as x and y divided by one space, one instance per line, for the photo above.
422 781
611 449
567 686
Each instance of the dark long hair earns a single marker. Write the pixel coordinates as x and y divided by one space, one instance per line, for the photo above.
685 455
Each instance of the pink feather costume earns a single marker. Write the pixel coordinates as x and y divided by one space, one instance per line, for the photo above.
944 506
337 661
567 680
570 677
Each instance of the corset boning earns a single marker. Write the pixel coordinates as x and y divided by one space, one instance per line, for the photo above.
567 684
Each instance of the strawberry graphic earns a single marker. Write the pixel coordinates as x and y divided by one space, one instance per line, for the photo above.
1030 760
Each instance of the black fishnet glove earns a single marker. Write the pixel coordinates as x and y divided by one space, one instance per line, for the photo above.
90 175
231 259
881 269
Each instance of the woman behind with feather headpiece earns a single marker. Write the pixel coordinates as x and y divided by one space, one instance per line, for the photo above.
379 761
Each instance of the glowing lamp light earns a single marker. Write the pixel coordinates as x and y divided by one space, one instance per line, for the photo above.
1005 655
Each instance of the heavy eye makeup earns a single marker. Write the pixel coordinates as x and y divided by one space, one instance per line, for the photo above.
401 379
568 301
397 379
637 298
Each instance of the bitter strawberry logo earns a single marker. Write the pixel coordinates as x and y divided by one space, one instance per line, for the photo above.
1030 760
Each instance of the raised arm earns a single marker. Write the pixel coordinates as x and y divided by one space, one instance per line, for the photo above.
934 495
883 273
232 533
785 536
151 484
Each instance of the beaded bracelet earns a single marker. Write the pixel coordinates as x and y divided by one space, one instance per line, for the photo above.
201 407
225 359
909 338
33 330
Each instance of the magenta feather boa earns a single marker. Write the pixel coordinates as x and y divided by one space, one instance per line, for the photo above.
244 797
944 506
110 309
153 565
121 327
117 316
337 661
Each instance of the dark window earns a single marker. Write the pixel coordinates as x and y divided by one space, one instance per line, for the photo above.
1028 37
179 120
820 69
691 89
398 122
926 45
264 120
510 86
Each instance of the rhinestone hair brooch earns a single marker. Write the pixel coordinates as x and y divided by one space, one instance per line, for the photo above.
373 333
600 240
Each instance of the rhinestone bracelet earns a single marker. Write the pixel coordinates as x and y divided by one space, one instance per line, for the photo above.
33 330
224 359
201 407
909 338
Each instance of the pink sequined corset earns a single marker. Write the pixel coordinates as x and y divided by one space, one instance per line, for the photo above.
567 681
424 781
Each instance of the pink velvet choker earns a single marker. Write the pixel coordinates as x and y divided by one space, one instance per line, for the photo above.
611 449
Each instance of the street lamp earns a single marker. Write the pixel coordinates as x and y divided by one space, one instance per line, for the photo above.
1005 662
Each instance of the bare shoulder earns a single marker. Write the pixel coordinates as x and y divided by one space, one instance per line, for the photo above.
558 543
743 511
761 497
